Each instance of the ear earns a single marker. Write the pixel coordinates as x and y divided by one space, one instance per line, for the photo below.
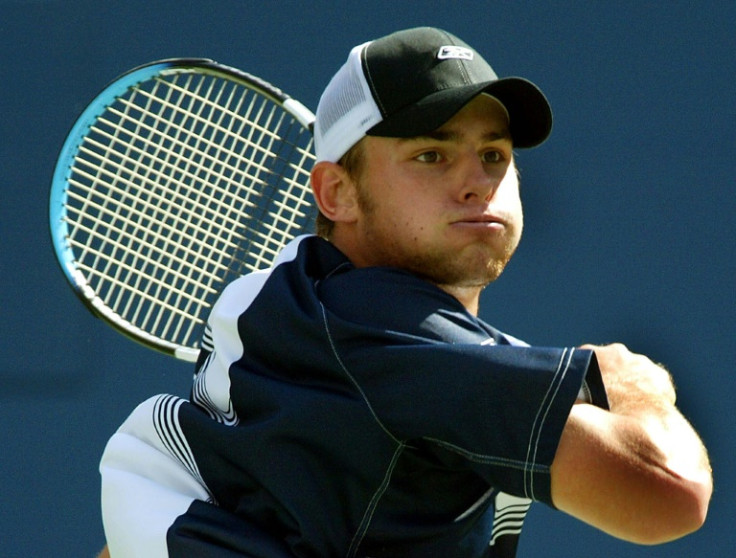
334 192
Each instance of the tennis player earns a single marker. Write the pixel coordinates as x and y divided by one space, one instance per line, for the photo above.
349 402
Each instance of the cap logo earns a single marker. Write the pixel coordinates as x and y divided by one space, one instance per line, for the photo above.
454 52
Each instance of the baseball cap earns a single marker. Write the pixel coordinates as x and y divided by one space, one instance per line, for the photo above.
410 83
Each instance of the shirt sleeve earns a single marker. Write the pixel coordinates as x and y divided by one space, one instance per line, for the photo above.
148 480
432 373
154 501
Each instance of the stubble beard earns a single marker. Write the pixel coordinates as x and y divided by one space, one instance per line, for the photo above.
474 270
474 267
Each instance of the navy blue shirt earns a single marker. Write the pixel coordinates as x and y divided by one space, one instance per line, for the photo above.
364 412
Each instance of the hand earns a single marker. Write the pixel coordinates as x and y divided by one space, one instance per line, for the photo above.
632 381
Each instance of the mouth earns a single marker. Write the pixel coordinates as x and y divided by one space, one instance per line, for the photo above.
481 221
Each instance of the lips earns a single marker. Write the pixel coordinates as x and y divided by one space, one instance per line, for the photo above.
482 219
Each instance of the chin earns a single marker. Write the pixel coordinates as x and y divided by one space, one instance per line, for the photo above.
467 275
487 269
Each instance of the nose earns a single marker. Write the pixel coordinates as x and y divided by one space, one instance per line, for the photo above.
479 181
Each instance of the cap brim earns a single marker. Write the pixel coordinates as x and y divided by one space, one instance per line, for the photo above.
530 116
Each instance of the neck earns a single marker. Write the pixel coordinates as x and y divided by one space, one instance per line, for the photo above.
468 296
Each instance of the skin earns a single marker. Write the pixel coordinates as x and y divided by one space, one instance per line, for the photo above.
446 206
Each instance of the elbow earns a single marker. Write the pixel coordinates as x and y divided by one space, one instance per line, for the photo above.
694 512
608 472
687 499
676 493
684 511
701 492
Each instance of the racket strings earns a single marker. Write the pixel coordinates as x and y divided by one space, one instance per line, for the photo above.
285 207
161 189
165 293
144 254
132 261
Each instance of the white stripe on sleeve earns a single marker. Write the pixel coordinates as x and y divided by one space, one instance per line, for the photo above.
145 486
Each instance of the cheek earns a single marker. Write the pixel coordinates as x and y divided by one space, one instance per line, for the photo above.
520 227
513 206
399 210
511 197
519 218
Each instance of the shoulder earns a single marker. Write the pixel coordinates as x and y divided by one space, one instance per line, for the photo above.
304 260
392 299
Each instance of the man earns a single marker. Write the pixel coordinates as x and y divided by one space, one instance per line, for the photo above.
348 401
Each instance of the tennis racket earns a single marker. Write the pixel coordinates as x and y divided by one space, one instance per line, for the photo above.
180 176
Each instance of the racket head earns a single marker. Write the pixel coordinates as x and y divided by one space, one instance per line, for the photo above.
180 176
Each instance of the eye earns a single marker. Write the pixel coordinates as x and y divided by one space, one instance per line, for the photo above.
492 157
429 157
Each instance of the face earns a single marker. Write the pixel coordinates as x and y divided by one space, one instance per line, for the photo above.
446 205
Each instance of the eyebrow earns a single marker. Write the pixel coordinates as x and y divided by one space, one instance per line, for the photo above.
455 136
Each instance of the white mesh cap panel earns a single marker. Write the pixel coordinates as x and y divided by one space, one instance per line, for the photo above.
346 110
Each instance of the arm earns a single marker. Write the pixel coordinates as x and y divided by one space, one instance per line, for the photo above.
639 471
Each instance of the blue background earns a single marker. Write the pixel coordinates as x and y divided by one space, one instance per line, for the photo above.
629 209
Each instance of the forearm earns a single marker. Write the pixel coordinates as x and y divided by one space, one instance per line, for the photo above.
611 472
675 447
645 393
638 471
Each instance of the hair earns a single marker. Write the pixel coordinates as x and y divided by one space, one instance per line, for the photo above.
352 162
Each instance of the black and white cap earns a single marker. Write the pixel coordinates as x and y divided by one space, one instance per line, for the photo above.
413 81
